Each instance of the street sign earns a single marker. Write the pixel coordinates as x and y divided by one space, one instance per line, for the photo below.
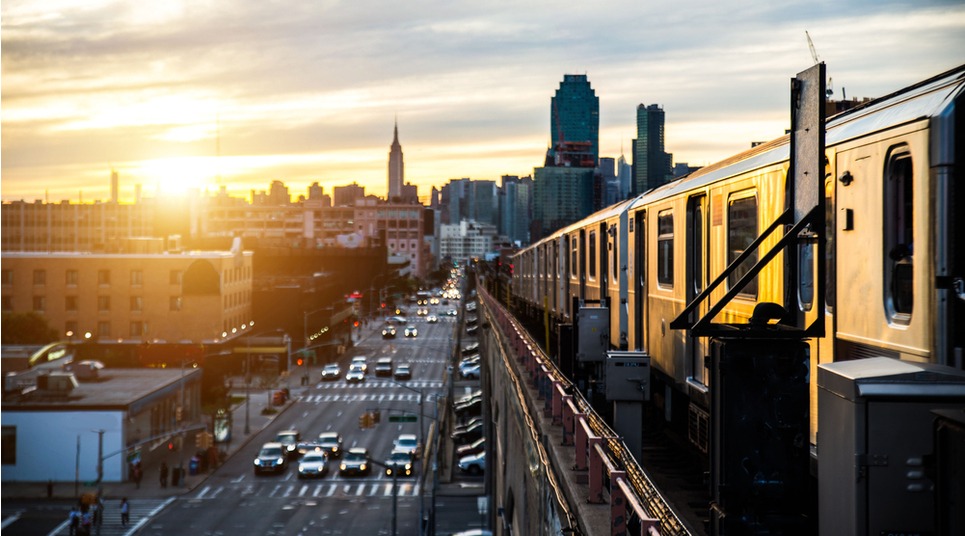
403 418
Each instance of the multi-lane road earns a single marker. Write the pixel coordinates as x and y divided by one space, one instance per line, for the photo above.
233 500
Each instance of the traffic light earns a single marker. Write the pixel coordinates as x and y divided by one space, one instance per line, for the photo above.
199 440
365 420
299 361
171 445
178 413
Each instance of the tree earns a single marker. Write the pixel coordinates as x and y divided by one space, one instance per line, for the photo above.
26 328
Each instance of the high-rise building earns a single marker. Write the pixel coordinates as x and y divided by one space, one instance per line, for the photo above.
115 186
345 196
624 176
396 166
484 206
561 196
651 165
574 124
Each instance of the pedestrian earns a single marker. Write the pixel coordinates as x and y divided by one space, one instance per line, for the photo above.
98 513
137 475
164 475
125 512
74 520
86 520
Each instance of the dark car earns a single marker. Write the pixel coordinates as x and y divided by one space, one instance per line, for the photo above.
471 330
272 458
355 462
471 349
383 367
313 465
403 372
331 443
475 447
388 332
471 397
468 423
400 463
468 435
289 439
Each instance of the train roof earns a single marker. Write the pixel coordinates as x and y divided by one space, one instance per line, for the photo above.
922 100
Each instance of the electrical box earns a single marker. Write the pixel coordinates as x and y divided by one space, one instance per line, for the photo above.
875 437
627 376
593 337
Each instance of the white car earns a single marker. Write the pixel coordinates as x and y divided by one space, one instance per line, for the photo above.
313 465
474 465
408 443
469 371
360 361
411 331
331 372
355 374
432 319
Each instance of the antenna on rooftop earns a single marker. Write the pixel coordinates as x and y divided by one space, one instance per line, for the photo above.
814 55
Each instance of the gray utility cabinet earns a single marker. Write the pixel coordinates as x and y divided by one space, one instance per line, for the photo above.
875 443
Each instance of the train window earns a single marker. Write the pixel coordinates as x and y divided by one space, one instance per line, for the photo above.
829 229
697 244
741 232
665 248
574 257
615 257
592 263
899 235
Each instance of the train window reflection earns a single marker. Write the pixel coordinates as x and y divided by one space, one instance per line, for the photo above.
741 232
899 235
665 248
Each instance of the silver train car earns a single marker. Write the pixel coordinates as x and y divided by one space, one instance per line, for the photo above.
895 257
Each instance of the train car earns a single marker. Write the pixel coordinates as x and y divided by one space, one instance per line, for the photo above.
895 255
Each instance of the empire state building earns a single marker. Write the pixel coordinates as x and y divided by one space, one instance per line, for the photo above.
396 166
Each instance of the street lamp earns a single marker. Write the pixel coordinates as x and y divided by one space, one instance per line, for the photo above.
422 443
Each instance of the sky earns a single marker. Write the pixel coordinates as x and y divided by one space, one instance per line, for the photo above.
201 94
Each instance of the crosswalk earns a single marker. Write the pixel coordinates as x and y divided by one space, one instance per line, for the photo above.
140 510
364 397
314 490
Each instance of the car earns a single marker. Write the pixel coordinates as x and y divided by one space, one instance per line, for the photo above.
467 411
452 312
399 463
403 372
432 319
361 361
433 301
411 331
471 320
468 423
388 332
289 439
408 443
474 464
331 372
471 397
355 462
398 320
470 349
331 442
383 367
468 435
469 371
422 311
313 465
475 447
272 458
471 330
355 374
304 447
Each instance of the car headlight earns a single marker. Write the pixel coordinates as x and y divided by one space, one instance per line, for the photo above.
334 449
362 467
257 462
408 466
280 461
342 467
388 471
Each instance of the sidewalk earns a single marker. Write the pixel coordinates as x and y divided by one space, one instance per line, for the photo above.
150 486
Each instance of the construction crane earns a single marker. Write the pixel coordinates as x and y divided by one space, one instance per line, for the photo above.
817 60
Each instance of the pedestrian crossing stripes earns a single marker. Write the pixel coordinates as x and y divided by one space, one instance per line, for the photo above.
316 399
315 490
140 510
379 384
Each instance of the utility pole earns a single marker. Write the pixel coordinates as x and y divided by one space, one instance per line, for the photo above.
100 455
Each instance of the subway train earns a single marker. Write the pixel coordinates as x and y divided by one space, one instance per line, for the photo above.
894 258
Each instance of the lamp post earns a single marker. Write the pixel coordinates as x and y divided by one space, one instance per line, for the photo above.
422 443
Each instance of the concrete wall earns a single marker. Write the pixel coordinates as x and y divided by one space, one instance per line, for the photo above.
46 445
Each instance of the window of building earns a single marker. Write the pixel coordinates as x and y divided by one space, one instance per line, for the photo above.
137 278
175 303
104 303
40 277
8 450
103 277
899 236
137 304
70 303
137 329
8 303
7 277
40 304
741 232
175 277
665 249
103 329
71 278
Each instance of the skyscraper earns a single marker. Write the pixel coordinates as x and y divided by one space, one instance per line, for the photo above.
396 166
651 165
575 124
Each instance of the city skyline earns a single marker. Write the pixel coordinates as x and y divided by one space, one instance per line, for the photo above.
177 95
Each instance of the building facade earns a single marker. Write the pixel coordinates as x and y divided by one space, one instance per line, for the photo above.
402 226
396 166
575 123
466 240
651 165
561 196
193 296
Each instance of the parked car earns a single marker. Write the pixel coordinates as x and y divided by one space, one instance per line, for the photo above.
470 348
313 465
355 374
474 464
383 367
355 462
403 372
331 442
467 424
289 439
471 330
469 371
475 447
388 332
467 411
411 331
475 395
272 458
468 435
400 463
408 443
331 372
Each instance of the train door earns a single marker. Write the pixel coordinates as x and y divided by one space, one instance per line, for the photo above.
698 255
639 278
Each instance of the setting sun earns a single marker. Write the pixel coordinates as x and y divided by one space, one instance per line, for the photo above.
177 174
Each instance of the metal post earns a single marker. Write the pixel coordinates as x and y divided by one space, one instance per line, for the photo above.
100 455
395 501
181 425
247 387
